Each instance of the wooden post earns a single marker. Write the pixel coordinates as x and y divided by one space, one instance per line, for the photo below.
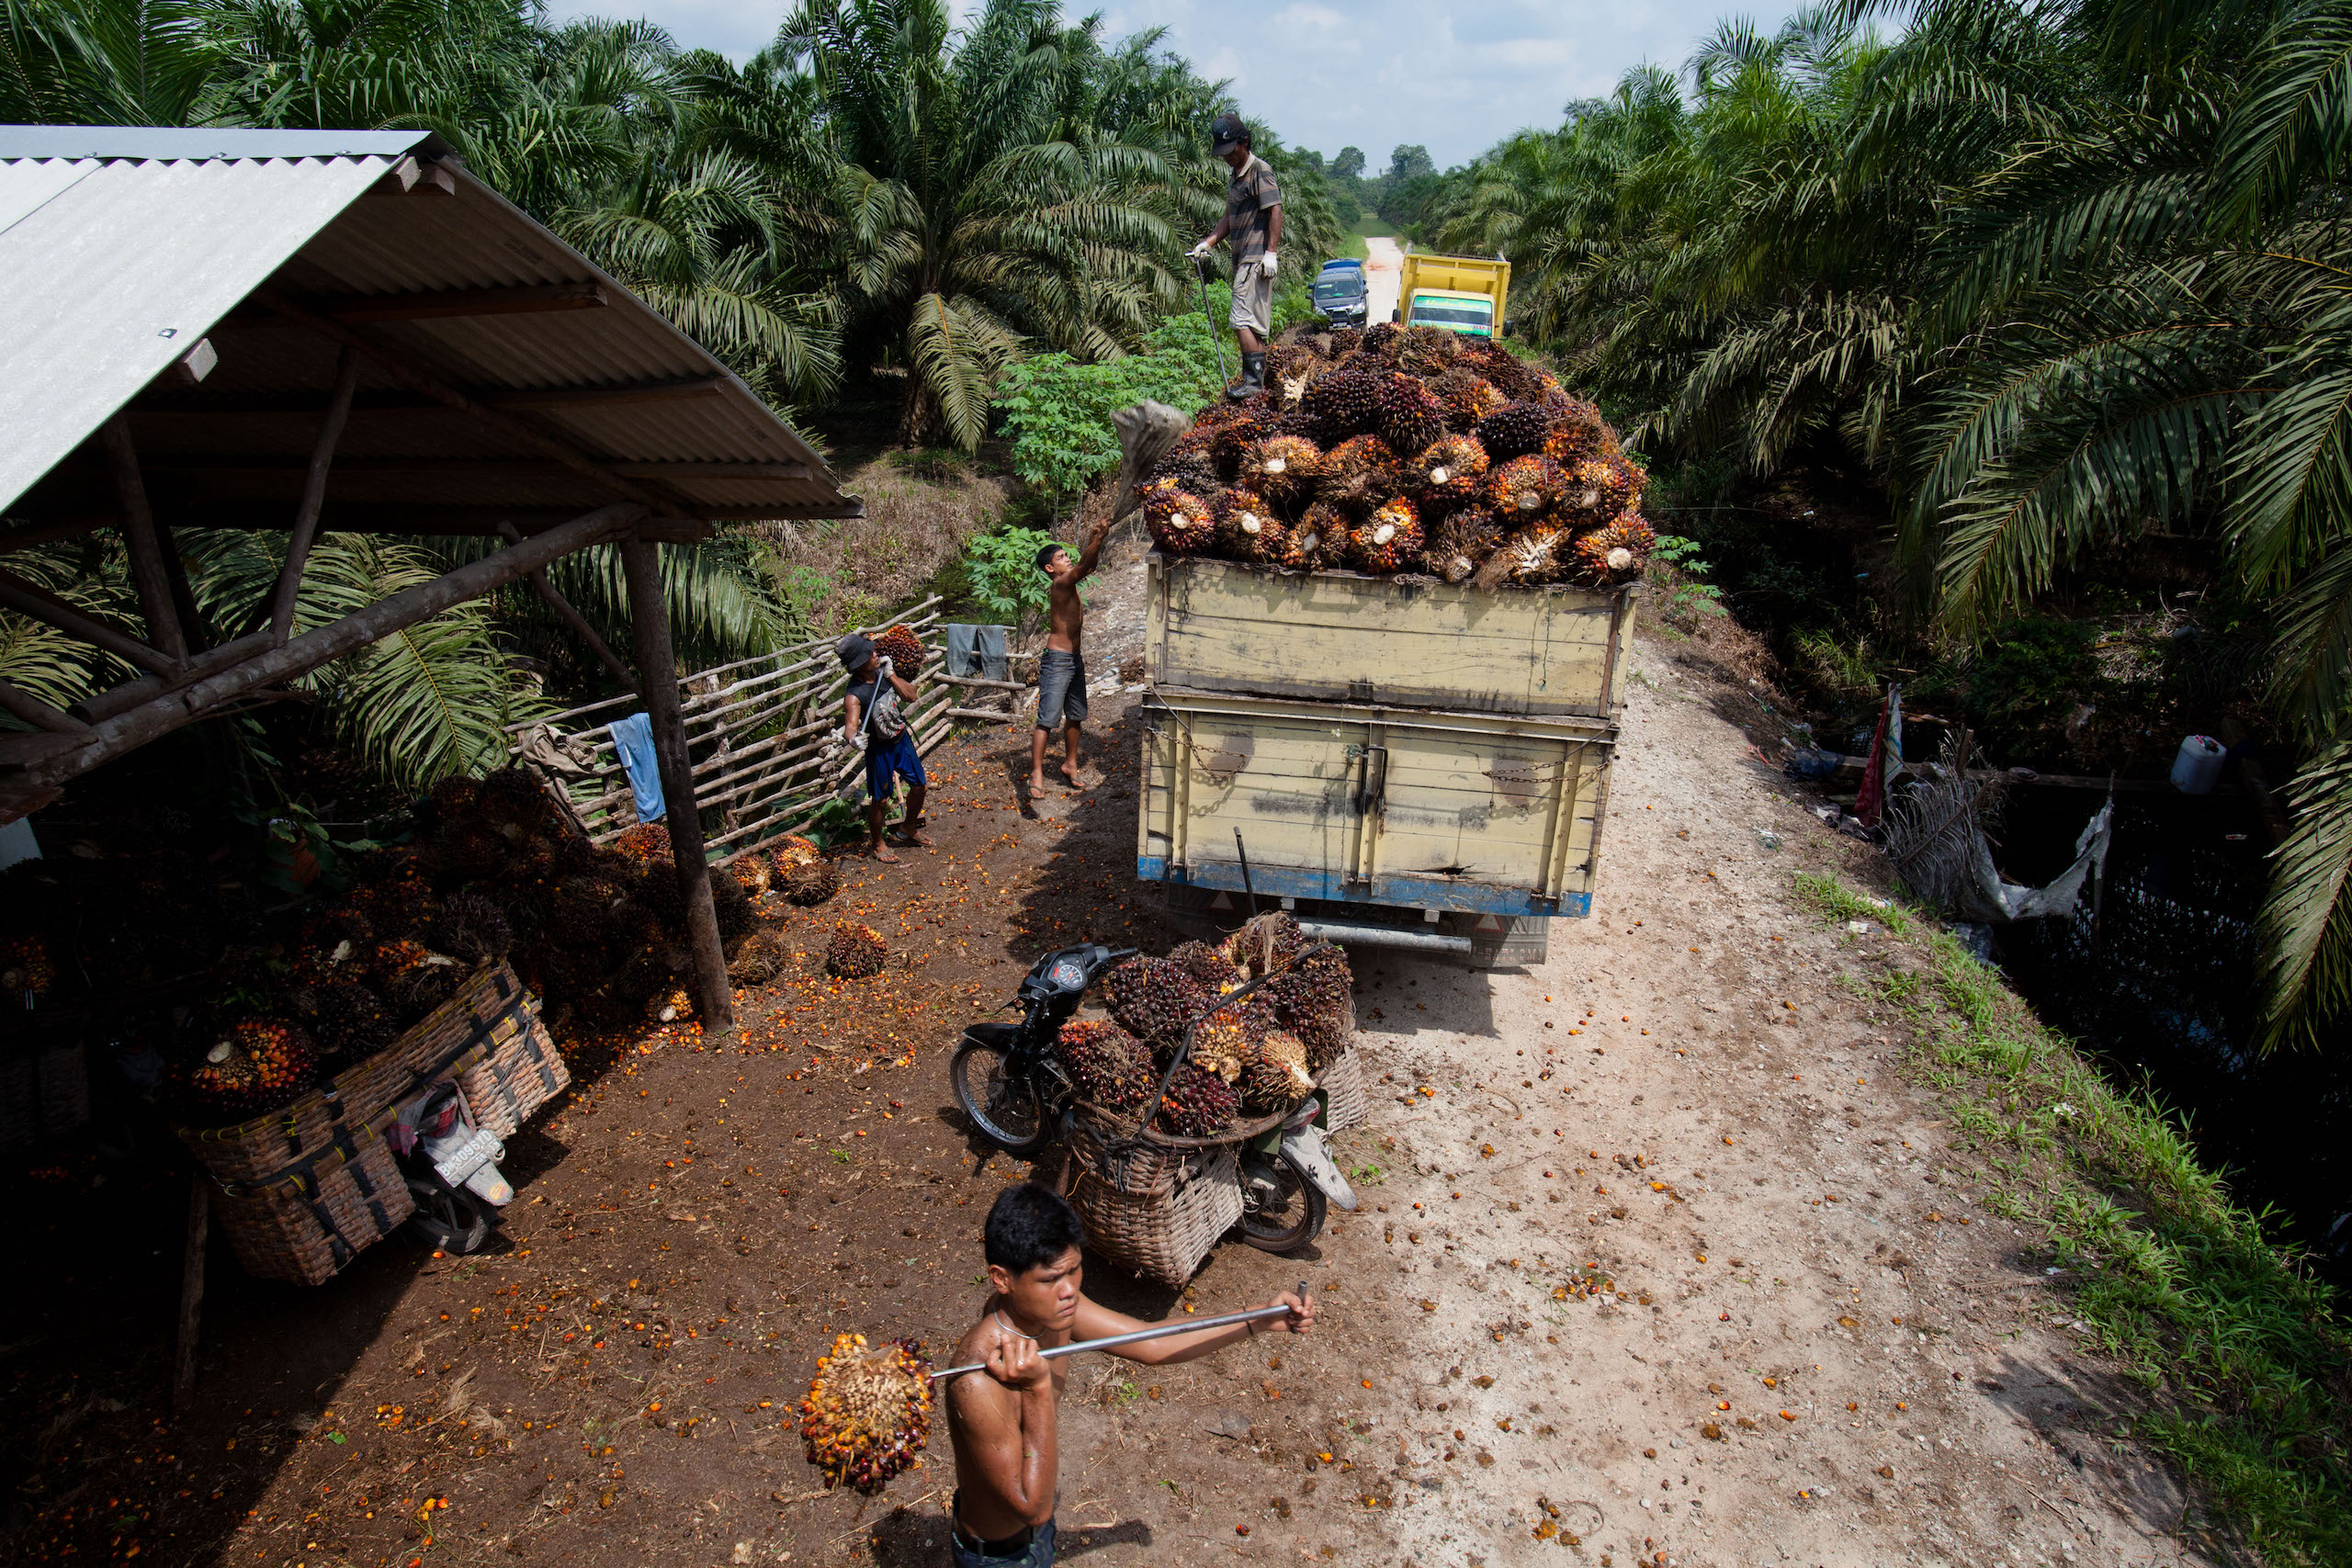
657 671
199 1226
314 496
139 533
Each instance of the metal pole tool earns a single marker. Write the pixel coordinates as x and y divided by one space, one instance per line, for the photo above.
1255 1315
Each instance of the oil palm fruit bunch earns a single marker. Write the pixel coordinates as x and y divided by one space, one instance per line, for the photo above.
729 905
867 1413
469 848
413 979
1221 1044
763 957
1310 998
1275 1075
668 1004
645 844
753 872
26 969
1425 352
1282 468
516 803
348 1019
1291 368
256 1065
472 928
1388 539
1380 338
1107 1066
1410 416
1154 999
454 799
1615 553
1359 474
1247 528
1468 398
1265 944
1459 545
1241 427
1578 432
792 851
577 914
1198 1104
856 952
1215 972
1344 403
1452 471
397 905
1524 489
1188 469
812 882
902 648
1181 522
1319 536
1530 557
1514 430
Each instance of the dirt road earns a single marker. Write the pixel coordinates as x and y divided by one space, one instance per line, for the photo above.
1661 1259
1384 271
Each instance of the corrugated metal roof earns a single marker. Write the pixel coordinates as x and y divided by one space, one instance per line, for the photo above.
103 254
202 142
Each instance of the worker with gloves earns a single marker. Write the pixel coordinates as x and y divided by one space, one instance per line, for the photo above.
1253 224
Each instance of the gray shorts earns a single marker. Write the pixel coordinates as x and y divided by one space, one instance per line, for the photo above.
1253 299
1062 689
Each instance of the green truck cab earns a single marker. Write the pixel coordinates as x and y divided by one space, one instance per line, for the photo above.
1462 294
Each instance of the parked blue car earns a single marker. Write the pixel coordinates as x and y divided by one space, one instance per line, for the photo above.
1340 293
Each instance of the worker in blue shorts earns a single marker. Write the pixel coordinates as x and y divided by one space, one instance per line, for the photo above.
871 707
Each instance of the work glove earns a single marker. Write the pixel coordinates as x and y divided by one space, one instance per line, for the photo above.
1269 263
1199 251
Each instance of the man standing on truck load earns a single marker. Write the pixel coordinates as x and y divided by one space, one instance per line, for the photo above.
1253 224
1061 669
1004 1418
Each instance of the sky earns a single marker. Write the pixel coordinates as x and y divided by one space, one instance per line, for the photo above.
1369 73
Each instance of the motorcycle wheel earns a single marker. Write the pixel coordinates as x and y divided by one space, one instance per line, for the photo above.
1282 1211
451 1221
1004 1105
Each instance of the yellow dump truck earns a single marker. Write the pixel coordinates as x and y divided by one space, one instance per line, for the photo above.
1461 294
1400 762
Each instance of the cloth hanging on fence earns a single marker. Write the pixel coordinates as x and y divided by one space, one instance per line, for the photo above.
1885 760
633 738
978 650
569 756
1986 897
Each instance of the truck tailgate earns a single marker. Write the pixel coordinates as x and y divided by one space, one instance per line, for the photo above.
1473 812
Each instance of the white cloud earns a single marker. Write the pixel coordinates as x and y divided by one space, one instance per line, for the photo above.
1370 74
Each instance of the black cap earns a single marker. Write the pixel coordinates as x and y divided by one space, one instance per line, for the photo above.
1226 132
854 651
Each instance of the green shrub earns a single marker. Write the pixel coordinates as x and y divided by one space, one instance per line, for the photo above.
1001 570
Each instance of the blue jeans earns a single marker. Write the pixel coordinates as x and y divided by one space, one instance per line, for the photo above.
1036 1552
1062 689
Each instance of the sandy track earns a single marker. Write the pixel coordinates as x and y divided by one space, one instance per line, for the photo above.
1384 274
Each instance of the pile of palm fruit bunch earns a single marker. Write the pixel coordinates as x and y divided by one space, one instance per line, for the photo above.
1406 451
867 1412
100 922
1255 1056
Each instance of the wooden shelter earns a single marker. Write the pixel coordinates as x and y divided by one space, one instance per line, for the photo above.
315 330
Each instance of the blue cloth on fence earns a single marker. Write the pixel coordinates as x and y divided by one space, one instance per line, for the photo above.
633 738
976 651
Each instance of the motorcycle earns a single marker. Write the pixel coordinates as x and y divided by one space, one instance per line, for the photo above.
450 1163
1008 1082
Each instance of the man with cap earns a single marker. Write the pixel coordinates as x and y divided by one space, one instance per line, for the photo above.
1253 225
871 714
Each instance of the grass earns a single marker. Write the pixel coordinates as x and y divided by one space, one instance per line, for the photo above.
1351 244
2242 1350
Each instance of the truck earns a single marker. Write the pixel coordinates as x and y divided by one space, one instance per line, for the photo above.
1399 762
1462 294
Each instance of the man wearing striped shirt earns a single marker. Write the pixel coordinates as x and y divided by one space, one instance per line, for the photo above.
1253 225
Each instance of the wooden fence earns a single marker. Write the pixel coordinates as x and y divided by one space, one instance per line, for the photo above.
757 732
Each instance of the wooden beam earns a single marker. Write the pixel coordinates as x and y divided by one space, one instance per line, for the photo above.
314 495
572 617
146 688
147 570
649 609
31 599
484 468
174 709
438 304
28 535
200 1229
393 363
273 406
23 706
193 622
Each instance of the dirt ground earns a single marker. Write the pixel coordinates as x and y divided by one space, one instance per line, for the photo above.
1661 1260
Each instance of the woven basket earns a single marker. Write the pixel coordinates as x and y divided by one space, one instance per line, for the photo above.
1153 1210
304 1227
520 1071
1343 1083
44 1094
490 1006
